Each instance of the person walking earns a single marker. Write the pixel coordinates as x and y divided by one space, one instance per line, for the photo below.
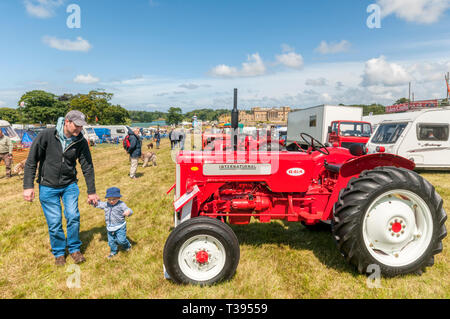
135 151
171 139
157 139
176 138
182 138
6 149
56 150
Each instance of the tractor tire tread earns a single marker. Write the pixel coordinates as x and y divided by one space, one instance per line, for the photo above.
349 210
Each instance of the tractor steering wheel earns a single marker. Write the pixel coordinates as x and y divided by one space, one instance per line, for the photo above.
314 144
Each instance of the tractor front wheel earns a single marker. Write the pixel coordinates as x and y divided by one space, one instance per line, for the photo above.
390 217
201 251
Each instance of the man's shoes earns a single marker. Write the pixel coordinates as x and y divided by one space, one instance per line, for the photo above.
111 255
78 257
60 261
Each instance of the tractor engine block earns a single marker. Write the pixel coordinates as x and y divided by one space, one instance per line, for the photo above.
241 201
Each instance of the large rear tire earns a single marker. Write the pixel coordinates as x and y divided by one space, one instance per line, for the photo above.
390 217
201 251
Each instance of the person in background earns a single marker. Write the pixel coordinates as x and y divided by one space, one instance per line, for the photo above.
157 139
171 138
181 138
6 149
57 150
135 151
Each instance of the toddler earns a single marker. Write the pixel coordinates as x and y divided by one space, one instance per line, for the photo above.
115 213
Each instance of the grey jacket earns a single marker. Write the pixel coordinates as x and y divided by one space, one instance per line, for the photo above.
114 214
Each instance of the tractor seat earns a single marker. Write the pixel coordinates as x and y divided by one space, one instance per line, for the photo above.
335 168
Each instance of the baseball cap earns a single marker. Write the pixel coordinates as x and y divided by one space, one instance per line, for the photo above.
77 117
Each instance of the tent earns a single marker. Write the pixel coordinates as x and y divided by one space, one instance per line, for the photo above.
104 134
26 137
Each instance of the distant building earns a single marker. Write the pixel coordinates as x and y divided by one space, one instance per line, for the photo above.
260 115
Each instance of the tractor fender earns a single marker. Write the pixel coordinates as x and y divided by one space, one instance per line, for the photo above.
358 164
355 166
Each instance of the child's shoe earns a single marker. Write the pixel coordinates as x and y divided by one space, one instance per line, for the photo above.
111 255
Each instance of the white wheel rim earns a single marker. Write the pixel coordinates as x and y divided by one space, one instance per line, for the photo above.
202 257
397 228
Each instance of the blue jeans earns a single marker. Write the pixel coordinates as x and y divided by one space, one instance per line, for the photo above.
50 199
118 237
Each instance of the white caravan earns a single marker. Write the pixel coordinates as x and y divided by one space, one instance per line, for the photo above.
316 120
9 131
420 136
89 134
117 131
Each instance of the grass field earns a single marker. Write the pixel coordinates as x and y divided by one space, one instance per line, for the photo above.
277 260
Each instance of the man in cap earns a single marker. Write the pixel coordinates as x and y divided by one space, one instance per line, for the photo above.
56 150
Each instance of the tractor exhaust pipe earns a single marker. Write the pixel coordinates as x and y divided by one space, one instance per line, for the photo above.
235 120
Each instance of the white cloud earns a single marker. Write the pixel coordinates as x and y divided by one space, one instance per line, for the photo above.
86 79
421 11
380 72
42 9
79 44
316 82
429 71
333 47
291 60
189 86
285 87
254 67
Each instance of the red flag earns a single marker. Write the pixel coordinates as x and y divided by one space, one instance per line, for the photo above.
96 119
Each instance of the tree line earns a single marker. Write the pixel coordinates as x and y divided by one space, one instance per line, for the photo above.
175 115
41 107
45 108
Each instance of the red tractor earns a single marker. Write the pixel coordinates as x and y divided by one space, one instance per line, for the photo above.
381 212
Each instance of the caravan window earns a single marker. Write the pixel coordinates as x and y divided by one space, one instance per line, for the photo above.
313 121
389 133
432 132
120 131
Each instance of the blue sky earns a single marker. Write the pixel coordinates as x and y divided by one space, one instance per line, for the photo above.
161 53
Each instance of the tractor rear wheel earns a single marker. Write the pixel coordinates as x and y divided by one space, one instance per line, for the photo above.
390 217
201 251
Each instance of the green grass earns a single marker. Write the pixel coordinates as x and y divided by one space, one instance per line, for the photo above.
278 260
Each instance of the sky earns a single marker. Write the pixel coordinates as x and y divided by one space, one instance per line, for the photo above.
157 54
